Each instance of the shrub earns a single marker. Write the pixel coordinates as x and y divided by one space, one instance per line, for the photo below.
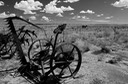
84 26
97 81
82 45
105 50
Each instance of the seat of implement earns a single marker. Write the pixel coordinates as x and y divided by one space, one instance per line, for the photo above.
59 29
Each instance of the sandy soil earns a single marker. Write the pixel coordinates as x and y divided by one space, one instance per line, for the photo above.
99 72
92 71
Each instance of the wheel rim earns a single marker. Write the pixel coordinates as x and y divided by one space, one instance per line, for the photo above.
67 60
35 50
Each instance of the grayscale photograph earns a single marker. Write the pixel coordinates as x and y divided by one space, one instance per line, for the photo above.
63 41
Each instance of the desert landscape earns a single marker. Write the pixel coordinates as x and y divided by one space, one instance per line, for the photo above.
104 50
96 30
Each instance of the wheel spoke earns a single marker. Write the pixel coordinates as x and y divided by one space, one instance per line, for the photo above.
60 62
70 70
72 61
61 72
46 67
52 69
61 49
67 60
37 48
40 45
71 51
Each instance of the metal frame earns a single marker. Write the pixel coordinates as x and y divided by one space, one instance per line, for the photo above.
29 70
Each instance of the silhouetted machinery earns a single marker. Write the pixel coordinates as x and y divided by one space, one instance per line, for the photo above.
45 57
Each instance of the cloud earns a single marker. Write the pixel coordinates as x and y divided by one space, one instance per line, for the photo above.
32 17
59 15
121 3
76 17
66 8
99 15
70 1
28 6
89 12
109 17
51 8
45 18
4 15
1 3
84 17
71 13
29 12
81 18
82 11
58 1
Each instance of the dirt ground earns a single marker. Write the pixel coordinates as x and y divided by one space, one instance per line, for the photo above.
92 71
97 67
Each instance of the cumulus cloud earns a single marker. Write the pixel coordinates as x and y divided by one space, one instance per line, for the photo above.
32 17
71 13
89 12
84 17
52 8
81 18
59 15
76 17
99 15
58 1
66 8
82 11
1 3
109 17
121 3
45 18
28 6
71 1
4 15
29 12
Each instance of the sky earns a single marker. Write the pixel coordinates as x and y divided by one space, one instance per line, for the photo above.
72 11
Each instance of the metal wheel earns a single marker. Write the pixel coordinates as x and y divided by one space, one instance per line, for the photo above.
39 54
66 62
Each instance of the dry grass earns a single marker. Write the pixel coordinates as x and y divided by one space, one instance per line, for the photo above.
97 81
90 38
